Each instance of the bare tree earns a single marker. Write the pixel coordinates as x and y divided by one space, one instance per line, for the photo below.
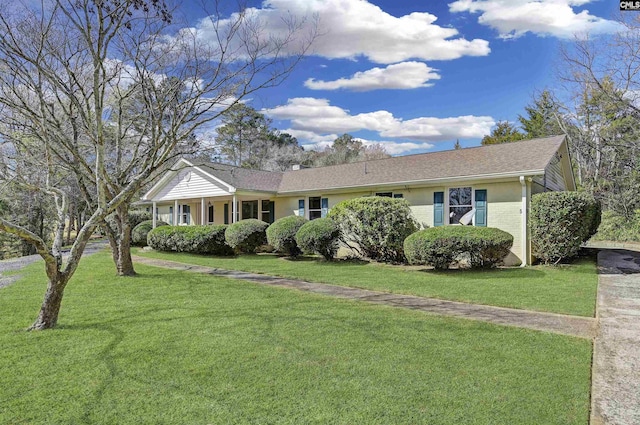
110 91
602 120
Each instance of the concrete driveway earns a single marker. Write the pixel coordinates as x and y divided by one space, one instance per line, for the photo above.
615 395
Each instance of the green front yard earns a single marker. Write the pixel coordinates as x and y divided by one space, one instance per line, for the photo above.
565 289
171 347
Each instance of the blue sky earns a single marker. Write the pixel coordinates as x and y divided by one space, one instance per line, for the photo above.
417 75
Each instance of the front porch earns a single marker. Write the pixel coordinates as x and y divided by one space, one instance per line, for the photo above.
214 209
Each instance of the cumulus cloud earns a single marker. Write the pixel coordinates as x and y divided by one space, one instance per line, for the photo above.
404 75
514 18
318 116
352 28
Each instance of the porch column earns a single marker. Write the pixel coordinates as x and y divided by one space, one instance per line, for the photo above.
154 218
259 209
234 209
175 213
202 211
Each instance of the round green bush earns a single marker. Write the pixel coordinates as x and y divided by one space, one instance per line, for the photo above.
204 239
375 227
140 232
440 246
281 234
319 236
561 222
246 235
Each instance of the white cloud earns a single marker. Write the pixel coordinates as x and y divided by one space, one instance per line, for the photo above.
397 148
353 28
319 117
514 18
404 75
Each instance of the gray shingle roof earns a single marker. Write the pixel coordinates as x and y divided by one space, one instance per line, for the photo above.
510 158
243 178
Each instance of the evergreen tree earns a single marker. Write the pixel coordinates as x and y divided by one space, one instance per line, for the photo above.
542 117
503 132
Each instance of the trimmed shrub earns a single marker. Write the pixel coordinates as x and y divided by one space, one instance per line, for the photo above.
561 222
140 232
281 234
246 235
194 239
319 236
440 246
136 217
375 227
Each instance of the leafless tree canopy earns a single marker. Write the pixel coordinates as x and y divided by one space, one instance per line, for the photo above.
109 91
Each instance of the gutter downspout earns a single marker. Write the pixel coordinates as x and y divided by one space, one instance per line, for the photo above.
524 221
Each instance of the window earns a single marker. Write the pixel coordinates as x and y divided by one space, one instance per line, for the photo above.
171 216
157 213
315 207
390 195
460 203
249 209
184 215
210 213
267 211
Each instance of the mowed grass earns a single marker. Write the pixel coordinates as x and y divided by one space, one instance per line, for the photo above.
565 289
171 347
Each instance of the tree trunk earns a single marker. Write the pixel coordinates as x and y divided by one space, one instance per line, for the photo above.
48 316
120 242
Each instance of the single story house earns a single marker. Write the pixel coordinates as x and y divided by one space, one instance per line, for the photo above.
482 186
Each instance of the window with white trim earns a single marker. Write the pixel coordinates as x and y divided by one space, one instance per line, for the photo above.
184 214
390 195
315 207
460 202
249 209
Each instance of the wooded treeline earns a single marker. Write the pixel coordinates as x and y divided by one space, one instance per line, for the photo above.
596 103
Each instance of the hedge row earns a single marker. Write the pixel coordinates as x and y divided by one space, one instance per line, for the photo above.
194 239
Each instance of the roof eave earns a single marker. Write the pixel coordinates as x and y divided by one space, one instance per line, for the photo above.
440 180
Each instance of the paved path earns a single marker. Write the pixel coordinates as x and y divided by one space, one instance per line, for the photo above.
583 327
19 262
615 394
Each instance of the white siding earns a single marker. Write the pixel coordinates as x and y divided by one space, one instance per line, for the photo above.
190 183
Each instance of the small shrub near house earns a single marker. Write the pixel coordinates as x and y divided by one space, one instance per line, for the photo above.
193 239
375 227
483 247
140 232
135 217
281 234
320 236
561 222
246 236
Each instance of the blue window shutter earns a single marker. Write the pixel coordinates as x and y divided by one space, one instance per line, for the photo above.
325 206
272 211
301 207
226 213
481 208
438 208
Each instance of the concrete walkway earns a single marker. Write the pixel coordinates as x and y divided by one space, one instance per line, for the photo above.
583 327
615 394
